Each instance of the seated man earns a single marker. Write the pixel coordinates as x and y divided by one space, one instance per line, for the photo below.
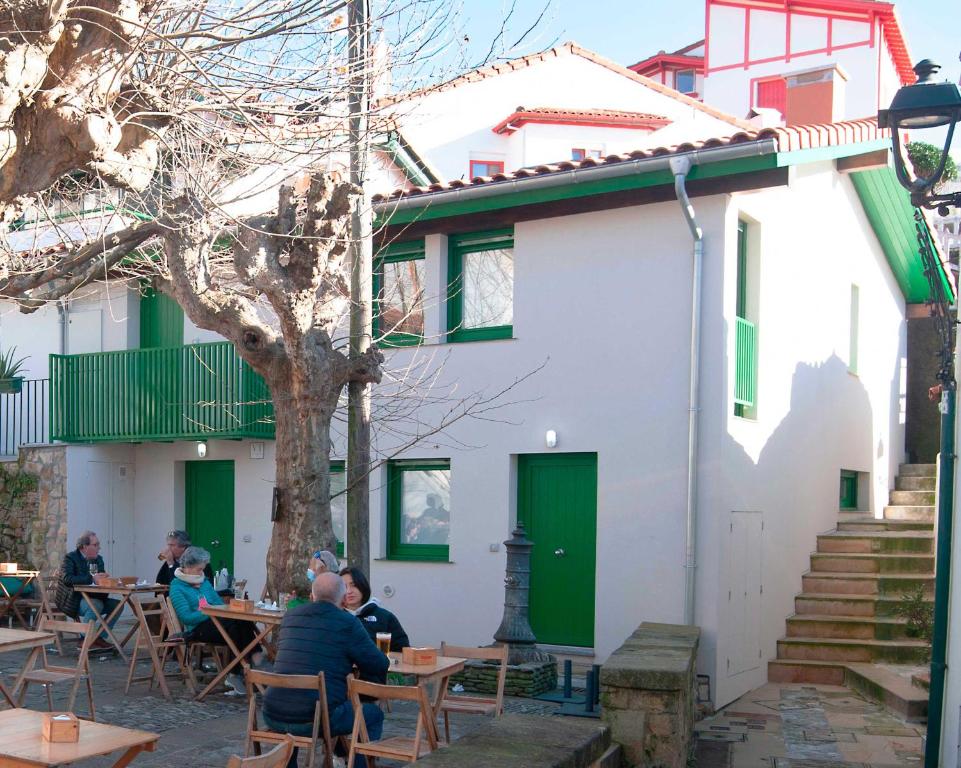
85 566
177 542
321 637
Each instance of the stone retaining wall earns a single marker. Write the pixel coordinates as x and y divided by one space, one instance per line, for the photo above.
648 697
522 679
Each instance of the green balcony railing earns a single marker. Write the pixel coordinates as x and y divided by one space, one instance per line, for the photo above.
193 392
745 371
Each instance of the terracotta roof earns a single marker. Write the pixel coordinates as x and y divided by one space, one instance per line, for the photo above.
565 49
606 118
653 63
788 139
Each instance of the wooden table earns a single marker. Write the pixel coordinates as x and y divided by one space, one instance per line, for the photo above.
26 578
19 640
90 591
269 619
428 674
22 746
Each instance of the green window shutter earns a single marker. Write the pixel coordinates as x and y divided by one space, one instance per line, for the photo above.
741 270
161 320
418 510
459 324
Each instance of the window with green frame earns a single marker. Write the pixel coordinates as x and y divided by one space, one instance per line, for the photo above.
399 294
849 489
480 293
418 510
338 503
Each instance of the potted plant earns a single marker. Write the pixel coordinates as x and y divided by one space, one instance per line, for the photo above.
10 379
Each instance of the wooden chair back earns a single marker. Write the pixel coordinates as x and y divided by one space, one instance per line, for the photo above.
396 747
50 674
475 705
276 758
321 723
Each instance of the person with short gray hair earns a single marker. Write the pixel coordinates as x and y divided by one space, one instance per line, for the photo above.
177 543
326 590
189 592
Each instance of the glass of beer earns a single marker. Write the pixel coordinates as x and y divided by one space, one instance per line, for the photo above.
383 642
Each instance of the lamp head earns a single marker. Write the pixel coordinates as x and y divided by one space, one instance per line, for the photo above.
926 104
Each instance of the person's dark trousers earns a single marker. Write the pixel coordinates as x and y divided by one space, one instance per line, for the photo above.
240 632
341 722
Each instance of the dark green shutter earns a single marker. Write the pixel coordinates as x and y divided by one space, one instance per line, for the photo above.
161 320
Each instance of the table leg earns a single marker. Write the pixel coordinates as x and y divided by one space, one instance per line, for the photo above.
127 757
141 623
104 622
238 655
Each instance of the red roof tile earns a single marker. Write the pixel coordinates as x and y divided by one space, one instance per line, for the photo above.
606 118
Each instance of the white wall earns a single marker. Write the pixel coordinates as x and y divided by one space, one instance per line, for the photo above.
951 716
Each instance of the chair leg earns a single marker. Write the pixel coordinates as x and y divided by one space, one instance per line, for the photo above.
93 711
446 727
133 665
23 693
46 689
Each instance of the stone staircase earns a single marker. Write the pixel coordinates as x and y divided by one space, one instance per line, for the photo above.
844 630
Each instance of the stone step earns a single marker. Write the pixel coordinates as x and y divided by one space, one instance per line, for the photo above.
893 691
920 498
879 542
869 523
909 512
810 672
849 627
917 470
915 483
842 650
852 562
888 584
922 680
827 604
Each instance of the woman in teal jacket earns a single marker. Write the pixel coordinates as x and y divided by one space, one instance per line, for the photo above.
189 591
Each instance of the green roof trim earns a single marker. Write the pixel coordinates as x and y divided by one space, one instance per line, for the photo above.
832 152
888 207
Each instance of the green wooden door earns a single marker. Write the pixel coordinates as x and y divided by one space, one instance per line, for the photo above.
209 507
557 502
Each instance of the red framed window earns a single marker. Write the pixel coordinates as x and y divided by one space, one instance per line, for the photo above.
772 94
578 153
485 167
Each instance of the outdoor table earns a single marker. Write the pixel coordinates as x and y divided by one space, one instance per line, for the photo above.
89 591
19 640
269 619
427 674
23 746
26 578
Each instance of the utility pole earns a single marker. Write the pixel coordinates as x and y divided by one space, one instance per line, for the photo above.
361 256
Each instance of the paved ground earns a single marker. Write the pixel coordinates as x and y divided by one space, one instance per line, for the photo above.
802 726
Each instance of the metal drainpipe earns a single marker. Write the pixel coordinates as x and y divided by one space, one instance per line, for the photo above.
680 167
942 584
63 310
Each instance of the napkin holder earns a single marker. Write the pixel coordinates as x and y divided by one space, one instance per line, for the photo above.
110 581
419 657
241 606
60 727
8 567
127 581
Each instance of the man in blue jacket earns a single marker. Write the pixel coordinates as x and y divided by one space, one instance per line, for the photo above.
322 637
85 566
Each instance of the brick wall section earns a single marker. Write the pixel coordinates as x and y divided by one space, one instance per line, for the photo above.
33 526
647 695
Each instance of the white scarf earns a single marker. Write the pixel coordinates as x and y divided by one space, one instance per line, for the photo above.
189 577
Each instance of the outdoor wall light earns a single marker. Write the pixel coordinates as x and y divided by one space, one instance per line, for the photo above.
202 449
926 104
550 438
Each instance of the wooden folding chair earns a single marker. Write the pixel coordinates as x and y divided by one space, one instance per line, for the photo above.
396 747
49 675
154 648
174 627
276 758
321 726
475 705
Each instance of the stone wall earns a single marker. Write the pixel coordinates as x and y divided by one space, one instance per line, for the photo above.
522 679
647 695
33 508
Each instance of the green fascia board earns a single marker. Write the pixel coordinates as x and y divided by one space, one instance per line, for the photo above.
408 165
821 154
888 207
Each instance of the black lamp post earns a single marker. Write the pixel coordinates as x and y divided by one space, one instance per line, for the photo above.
926 104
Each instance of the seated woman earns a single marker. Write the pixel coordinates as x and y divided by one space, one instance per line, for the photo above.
374 618
187 591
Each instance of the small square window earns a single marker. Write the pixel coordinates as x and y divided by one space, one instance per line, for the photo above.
485 167
685 80
418 510
582 154
480 301
849 490
338 503
399 294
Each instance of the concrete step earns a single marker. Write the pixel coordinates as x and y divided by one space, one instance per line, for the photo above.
922 680
909 512
879 542
917 470
800 671
847 627
852 562
888 584
826 604
920 498
836 649
869 523
893 691
915 483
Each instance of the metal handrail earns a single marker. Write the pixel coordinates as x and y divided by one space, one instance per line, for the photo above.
23 416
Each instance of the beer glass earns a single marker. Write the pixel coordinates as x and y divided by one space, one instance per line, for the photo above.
383 642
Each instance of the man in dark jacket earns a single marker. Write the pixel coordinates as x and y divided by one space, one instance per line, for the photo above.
85 566
322 637
177 543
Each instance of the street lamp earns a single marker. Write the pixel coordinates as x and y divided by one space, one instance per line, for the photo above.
926 104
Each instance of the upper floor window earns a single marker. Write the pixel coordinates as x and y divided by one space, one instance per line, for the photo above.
485 167
583 154
480 300
685 81
399 293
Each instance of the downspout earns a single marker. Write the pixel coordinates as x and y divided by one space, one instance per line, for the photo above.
681 167
62 311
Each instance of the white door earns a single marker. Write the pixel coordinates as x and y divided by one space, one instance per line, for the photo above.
110 513
85 332
744 592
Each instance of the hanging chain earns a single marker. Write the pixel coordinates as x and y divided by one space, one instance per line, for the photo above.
938 302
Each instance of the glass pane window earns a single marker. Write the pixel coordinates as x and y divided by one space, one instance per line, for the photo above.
338 502
402 298
583 154
685 81
485 167
418 510
488 288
